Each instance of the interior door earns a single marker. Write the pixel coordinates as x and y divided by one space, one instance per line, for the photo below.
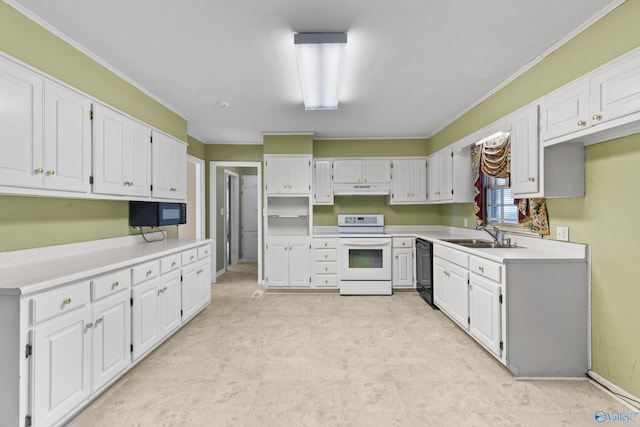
249 218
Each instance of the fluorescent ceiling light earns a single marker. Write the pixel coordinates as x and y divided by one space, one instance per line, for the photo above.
320 64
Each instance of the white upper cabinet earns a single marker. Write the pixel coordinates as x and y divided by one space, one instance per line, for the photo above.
565 111
67 139
287 174
46 134
356 171
122 154
600 106
21 162
616 91
525 153
169 167
322 183
409 181
440 176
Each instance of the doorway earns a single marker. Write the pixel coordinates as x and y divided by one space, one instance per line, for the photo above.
195 226
225 180
231 218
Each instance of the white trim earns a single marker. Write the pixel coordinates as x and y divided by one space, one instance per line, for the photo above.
231 236
231 142
292 133
213 165
615 391
367 138
53 30
586 24
200 196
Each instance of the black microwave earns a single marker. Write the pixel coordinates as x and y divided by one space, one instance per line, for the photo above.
156 214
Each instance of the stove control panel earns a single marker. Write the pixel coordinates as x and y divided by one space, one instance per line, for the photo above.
366 220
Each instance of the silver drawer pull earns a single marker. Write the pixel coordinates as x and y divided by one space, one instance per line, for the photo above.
199 271
191 257
115 284
173 264
89 325
149 273
67 301
481 269
99 320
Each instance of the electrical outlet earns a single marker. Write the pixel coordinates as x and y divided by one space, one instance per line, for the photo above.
466 222
562 233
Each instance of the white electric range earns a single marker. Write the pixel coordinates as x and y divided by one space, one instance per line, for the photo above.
364 254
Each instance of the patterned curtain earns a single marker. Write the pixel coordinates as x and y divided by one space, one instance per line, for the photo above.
493 159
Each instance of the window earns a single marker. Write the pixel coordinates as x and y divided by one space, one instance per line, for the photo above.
500 208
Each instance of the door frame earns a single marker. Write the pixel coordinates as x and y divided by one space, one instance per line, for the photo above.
231 227
213 208
200 196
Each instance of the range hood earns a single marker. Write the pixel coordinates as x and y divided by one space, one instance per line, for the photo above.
361 189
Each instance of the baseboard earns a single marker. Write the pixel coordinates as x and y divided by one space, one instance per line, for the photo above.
618 392
219 273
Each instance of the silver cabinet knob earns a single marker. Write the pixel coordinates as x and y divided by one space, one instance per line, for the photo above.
38 171
581 123
51 172
596 117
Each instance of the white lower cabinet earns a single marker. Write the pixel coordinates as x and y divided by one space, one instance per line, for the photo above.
203 283
188 297
145 310
486 312
403 263
325 262
170 303
288 262
111 339
61 366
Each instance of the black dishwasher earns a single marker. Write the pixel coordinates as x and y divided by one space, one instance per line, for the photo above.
424 268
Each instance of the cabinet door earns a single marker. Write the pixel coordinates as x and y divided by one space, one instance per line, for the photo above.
525 158
446 174
322 184
458 303
433 178
401 185
376 171
402 268
189 292
440 284
21 159
278 263
203 274
276 175
616 92
144 317
67 139
61 367
299 175
485 312
111 339
170 305
168 167
418 180
564 112
136 159
347 171
299 255
108 145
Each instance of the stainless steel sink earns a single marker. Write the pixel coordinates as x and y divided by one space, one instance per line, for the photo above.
479 244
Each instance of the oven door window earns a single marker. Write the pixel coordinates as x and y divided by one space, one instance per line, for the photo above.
365 258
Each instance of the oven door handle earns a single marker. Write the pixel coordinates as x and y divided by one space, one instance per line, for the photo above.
367 243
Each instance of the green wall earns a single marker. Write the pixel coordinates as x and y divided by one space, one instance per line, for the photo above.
612 175
370 147
27 222
288 144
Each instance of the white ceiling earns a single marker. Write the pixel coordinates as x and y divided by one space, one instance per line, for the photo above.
412 65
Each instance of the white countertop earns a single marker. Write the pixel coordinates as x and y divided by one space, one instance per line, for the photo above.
18 276
530 249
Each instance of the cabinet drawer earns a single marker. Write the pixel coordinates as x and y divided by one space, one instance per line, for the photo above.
325 280
451 255
325 242
403 242
326 254
189 256
109 284
488 269
60 301
145 271
326 268
169 263
204 251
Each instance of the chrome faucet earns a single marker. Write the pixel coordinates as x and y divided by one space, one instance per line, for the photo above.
494 232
